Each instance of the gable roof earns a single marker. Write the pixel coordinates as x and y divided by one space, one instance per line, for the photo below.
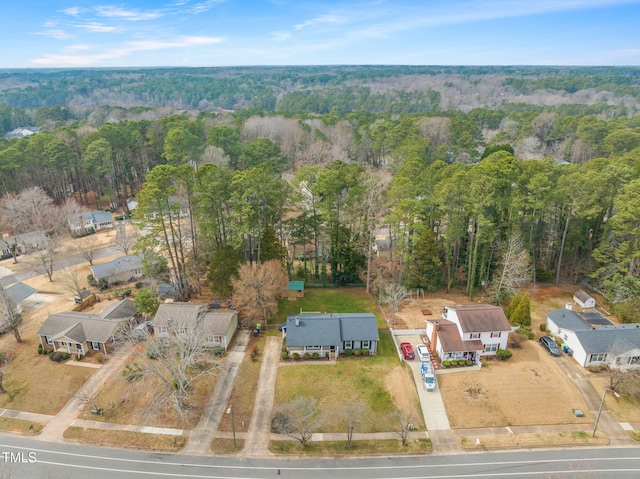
218 322
79 327
569 319
18 292
182 313
450 339
124 309
478 318
331 329
120 265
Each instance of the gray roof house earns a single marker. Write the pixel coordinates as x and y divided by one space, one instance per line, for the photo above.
119 270
22 243
331 334
183 318
82 223
79 333
594 340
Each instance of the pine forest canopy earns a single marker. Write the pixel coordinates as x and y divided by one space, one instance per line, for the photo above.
456 162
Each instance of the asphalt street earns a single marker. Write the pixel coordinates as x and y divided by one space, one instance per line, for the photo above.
26 458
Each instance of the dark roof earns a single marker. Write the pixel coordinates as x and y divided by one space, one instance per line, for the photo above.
450 340
568 319
331 329
478 318
594 318
124 309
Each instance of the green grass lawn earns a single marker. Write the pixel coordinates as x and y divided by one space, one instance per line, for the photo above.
351 379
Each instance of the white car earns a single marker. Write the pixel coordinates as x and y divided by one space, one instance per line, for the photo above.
423 353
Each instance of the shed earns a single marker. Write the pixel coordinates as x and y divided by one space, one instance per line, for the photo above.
583 299
294 291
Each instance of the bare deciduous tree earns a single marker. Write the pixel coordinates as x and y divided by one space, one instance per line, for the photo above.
87 397
256 290
11 315
73 282
403 426
125 239
5 361
351 412
173 362
46 255
394 295
515 267
87 247
298 419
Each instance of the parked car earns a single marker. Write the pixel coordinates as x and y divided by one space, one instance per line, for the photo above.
407 351
423 353
550 345
428 377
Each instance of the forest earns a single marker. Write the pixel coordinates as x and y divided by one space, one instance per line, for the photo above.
471 173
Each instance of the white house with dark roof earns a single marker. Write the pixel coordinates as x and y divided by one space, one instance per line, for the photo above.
83 223
119 270
331 334
182 318
468 332
595 340
79 333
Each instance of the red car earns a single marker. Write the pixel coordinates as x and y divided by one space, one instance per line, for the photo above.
407 351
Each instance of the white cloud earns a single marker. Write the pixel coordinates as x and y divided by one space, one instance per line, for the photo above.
96 27
326 19
281 36
131 15
202 7
56 33
73 11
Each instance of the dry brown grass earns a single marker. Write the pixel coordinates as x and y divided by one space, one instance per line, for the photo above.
529 389
359 448
557 439
623 408
20 425
225 446
126 439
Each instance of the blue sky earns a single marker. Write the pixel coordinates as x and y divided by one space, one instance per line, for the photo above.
82 33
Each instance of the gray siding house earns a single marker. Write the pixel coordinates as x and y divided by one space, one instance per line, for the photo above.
331 334
120 270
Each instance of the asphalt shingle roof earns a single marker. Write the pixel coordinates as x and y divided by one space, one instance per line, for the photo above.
331 329
117 266
478 318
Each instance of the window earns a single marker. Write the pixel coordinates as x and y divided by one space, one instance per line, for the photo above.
311 348
491 348
49 340
496 335
348 345
95 345
79 348
474 335
598 358
365 344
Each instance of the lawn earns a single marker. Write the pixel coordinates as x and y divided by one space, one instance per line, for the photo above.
368 380
358 448
126 439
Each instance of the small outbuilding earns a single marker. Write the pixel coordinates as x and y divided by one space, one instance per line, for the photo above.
294 291
583 299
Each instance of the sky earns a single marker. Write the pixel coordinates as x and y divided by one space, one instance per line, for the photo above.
145 33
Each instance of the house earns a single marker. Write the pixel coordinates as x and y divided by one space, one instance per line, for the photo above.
594 340
468 332
584 300
80 333
331 334
89 221
181 318
20 133
11 298
119 270
22 244
294 290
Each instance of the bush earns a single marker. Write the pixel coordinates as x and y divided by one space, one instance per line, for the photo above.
57 356
453 362
365 351
99 357
503 354
316 356
65 356
284 350
307 355
139 285
468 362
543 327
103 284
446 364
357 352
516 340
348 352
40 349
126 292
527 333
92 281
295 356
79 357
132 373
254 353
284 354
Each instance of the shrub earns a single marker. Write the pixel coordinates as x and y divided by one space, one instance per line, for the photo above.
99 357
527 333
307 355
65 356
543 327
79 357
103 284
348 352
284 354
40 349
357 352
446 364
57 356
132 373
468 362
516 340
365 351
92 281
254 353
295 356
454 362
284 350
126 292
139 285
503 354
316 356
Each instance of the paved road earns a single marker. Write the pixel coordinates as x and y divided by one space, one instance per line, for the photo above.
77 461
